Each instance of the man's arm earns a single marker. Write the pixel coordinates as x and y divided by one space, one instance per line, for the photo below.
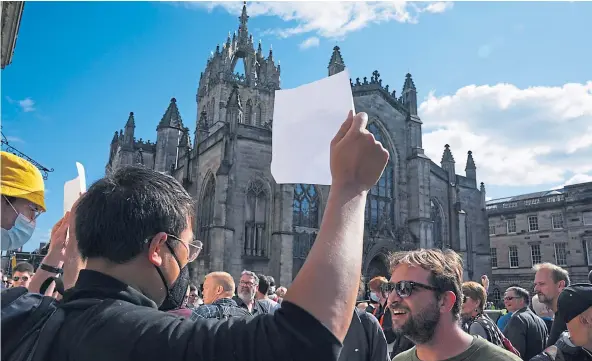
327 284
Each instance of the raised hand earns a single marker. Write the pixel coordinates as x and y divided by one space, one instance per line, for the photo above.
357 159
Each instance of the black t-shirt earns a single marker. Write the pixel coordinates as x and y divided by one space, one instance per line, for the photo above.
556 330
127 326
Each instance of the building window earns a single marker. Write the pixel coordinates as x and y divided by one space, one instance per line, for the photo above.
380 200
589 251
259 120
557 221
513 254
496 296
535 254
533 223
249 113
587 218
561 254
436 217
302 244
493 256
255 220
511 225
492 230
206 214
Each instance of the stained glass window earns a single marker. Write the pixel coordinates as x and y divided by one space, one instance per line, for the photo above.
255 221
380 201
206 214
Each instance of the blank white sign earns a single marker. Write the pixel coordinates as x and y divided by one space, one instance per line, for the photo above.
305 120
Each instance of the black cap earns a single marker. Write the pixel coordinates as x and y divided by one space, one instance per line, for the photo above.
574 300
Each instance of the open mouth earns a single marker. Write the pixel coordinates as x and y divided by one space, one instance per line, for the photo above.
398 312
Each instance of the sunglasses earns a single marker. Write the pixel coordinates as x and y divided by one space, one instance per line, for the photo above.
509 298
17 278
405 288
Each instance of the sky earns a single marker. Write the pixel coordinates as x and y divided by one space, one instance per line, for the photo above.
510 81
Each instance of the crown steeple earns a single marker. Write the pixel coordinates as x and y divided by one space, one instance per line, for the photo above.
336 64
172 117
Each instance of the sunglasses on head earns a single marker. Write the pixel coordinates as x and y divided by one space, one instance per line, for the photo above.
23 278
406 288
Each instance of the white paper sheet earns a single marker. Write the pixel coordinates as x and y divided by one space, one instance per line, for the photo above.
73 188
305 120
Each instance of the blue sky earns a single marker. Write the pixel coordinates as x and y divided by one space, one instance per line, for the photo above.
79 68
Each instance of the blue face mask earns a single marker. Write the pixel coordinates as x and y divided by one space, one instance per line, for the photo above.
374 297
19 234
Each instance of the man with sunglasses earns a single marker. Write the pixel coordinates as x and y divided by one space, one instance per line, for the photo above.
23 200
22 274
135 229
425 298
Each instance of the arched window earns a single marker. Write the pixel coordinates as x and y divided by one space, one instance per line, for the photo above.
259 121
496 296
255 220
206 214
249 112
380 201
305 220
436 218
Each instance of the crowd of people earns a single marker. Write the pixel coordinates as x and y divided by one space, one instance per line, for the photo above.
115 284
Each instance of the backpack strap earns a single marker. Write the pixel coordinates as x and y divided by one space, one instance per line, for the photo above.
59 285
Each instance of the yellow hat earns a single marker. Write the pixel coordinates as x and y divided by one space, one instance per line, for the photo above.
22 179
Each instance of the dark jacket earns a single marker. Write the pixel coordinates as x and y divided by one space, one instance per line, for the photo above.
219 309
527 332
557 328
128 326
563 350
364 340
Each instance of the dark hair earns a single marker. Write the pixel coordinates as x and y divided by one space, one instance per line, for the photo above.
263 284
127 207
520 292
23 267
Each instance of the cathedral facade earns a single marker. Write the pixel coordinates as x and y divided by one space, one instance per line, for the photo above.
247 221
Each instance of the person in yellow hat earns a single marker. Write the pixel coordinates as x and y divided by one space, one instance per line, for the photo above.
23 200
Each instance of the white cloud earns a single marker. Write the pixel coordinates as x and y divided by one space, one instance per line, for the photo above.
14 139
27 105
519 137
310 42
576 179
332 19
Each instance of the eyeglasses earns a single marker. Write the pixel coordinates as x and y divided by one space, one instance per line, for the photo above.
193 247
405 288
35 212
465 298
245 283
510 298
23 278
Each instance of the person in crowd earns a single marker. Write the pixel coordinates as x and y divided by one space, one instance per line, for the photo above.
134 228
281 293
217 295
261 294
271 292
247 290
365 339
525 330
503 320
549 281
575 306
23 200
22 274
541 310
474 319
193 298
425 300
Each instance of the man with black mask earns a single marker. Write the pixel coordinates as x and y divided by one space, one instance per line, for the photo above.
134 228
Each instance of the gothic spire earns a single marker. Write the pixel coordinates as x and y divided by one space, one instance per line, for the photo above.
409 84
172 117
131 123
185 142
482 188
115 138
470 162
244 18
336 63
447 156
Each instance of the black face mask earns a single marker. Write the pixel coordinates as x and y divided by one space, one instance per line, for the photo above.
175 295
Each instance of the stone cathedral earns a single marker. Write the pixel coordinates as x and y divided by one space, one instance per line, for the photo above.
247 221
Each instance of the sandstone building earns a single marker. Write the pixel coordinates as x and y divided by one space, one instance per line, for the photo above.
552 226
11 14
247 221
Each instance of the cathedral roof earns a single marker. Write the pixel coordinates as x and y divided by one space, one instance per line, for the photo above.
172 117
447 156
336 58
470 162
131 123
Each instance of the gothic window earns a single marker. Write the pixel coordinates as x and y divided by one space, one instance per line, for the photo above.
306 206
206 214
249 113
259 121
380 201
302 244
255 220
436 217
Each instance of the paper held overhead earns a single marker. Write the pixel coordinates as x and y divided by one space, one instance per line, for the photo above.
74 188
305 120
